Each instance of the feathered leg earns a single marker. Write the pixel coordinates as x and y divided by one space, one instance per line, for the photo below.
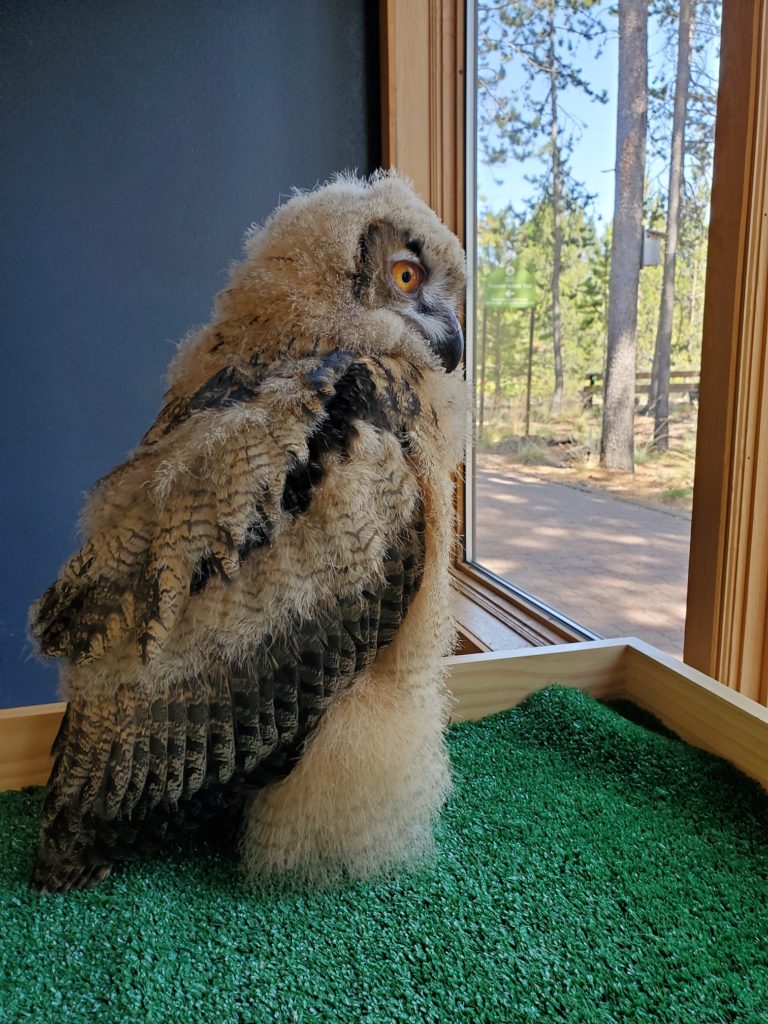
365 794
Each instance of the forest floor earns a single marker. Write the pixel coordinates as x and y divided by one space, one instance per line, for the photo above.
566 450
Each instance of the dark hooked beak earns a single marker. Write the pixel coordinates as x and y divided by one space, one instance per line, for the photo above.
450 345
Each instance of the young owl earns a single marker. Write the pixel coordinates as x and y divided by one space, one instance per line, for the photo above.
251 634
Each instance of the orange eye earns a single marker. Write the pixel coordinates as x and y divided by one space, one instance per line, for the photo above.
407 276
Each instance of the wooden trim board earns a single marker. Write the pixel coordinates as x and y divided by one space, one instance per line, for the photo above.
423 100
26 737
727 602
700 710
703 712
486 683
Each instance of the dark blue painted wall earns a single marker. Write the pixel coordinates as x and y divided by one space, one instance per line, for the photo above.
139 140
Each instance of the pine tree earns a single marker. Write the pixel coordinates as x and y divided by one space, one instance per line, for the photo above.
659 397
617 441
526 119
691 135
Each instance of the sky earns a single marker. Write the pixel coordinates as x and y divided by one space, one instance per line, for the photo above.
593 157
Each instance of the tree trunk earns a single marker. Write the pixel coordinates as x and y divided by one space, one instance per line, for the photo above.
497 361
661 355
557 227
617 449
692 308
483 363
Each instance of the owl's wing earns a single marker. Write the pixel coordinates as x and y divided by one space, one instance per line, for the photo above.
211 482
130 766
130 770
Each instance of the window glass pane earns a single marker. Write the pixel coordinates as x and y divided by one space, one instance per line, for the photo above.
586 303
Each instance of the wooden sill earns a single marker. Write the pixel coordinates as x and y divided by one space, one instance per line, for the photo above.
490 618
701 711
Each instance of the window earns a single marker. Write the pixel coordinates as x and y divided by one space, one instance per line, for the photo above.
727 606
581 488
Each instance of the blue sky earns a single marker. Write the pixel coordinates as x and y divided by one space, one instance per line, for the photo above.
594 153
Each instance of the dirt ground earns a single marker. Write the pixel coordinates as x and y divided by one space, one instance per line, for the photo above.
659 481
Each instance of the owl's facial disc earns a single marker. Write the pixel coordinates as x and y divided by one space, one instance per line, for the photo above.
437 324
395 271
434 318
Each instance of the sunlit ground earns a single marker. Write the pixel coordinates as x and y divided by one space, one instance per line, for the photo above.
566 449
608 550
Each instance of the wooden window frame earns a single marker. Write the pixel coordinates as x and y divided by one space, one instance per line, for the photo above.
423 69
727 616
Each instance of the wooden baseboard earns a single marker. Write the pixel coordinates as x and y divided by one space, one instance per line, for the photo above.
26 737
702 711
485 683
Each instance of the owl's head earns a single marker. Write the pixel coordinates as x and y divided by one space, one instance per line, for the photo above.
358 263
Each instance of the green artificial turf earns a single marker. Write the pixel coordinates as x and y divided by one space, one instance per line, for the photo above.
588 870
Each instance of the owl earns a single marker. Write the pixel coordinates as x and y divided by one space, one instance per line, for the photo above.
251 635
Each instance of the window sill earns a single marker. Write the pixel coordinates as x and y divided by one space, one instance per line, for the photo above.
490 618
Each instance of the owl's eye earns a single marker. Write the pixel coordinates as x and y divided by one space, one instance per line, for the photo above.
407 276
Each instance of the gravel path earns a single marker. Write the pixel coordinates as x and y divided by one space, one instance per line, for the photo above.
616 567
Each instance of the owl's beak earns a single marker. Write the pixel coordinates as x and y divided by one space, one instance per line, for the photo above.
450 345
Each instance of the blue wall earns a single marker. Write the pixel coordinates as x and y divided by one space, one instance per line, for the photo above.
139 140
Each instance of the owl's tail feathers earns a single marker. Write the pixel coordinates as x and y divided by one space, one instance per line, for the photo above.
50 878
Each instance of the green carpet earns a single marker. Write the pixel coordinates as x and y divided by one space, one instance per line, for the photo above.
588 870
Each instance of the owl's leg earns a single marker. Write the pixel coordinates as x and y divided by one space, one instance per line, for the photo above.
365 794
